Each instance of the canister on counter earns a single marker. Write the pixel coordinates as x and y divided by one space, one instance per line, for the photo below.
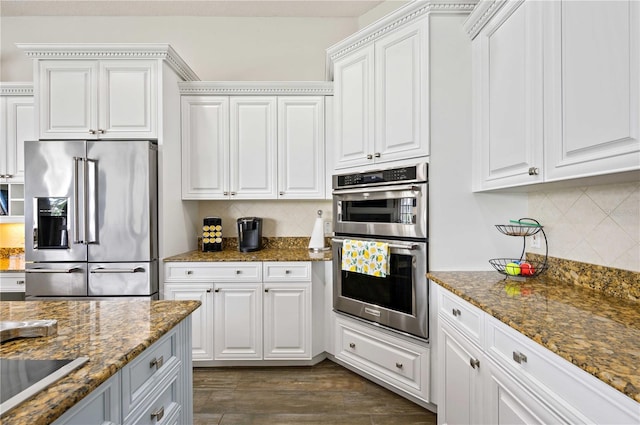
212 234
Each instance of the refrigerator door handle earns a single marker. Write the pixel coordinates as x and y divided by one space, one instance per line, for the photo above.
91 206
69 270
77 239
107 270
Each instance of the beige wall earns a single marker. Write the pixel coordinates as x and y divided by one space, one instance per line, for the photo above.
215 48
379 11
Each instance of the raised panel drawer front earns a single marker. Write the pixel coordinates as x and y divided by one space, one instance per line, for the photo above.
291 271
12 282
216 272
100 407
144 373
398 362
162 405
569 389
466 318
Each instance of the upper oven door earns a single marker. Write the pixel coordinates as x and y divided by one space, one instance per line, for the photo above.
395 211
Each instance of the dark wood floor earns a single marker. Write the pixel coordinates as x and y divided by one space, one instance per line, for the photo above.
323 394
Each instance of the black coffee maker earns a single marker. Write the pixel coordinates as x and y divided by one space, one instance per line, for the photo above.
249 234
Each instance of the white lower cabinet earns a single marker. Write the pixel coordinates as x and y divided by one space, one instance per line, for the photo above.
101 407
503 377
402 363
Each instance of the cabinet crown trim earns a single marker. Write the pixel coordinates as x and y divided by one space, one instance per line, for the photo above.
482 13
16 89
403 15
318 88
111 51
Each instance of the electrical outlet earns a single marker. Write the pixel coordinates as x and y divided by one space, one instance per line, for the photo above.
327 227
535 241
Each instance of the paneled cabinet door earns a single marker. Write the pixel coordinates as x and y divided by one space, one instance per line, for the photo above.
253 147
287 321
353 108
301 165
205 147
461 378
401 94
238 321
18 127
592 87
507 62
201 319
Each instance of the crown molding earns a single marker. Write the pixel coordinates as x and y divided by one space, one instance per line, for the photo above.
272 88
405 14
111 51
16 89
483 12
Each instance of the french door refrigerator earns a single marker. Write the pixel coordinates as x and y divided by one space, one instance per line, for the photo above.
91 219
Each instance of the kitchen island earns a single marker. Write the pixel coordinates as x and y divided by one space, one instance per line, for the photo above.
112 335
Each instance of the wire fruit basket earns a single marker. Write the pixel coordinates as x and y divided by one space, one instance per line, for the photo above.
521 268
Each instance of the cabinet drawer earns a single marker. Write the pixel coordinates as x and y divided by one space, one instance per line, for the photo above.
398 362
574 392
163 407
467 319
12 282
294 271
217 272
143 374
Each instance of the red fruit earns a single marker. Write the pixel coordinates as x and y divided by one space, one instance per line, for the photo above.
526 269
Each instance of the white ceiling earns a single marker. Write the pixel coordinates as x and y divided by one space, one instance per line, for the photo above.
237 8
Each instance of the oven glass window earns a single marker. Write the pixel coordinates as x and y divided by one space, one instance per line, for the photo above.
398 210
393 292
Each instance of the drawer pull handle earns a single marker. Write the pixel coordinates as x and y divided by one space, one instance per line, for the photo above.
217 290
352 345
399 365
266 290
157 363
533 171
209 290
287 271
238 271
456 312
475 363
519 357
189 272
20 282
369 156
158 414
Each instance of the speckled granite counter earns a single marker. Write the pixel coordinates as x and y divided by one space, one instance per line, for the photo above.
110 333
597 332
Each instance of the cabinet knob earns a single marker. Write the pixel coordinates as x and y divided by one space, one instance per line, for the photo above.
225 193
475 363
2 176
238 271
233 193
399 365
456 312
352 345
101 131
377 154
266 290
156 362
519 357
91 131
158 414
281 193
533 171
217 290
189 272
287 272
369 156
209 290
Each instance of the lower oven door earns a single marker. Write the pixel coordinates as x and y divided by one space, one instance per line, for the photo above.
399 301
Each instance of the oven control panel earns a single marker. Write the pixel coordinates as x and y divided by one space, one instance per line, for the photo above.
408 174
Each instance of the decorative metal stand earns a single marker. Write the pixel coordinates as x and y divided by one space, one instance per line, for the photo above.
520 268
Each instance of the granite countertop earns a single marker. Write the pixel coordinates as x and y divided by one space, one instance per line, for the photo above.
11 266
595 331
268 254
109 333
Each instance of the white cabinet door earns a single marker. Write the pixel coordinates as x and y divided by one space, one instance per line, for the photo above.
67 93
592 87
461 371
401 94
508 129
238 321
287 321
18 127
205 147
353 108
128 99
201 319
253 147
301 165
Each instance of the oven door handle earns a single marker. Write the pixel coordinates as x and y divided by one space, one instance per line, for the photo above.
412 188
410 246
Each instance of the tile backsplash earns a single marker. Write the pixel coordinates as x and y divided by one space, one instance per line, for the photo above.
595 224
280 218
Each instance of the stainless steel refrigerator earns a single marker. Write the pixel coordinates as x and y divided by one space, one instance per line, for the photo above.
91 219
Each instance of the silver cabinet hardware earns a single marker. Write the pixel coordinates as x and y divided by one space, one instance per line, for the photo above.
238 271
287 271
69 270
189 272
20 282
519 357
475 363
533 171
352 345
158 414
281 193
101 131
217 290
456 312
233 193
156 362
225 193
399 365
209 290
369 156
377 154
266 290
91 131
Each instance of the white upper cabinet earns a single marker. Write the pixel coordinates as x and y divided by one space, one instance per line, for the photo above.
301 160
381 97
97 99
16 126
592 87
556 90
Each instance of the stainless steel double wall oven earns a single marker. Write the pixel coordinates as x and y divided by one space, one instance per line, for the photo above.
389 206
